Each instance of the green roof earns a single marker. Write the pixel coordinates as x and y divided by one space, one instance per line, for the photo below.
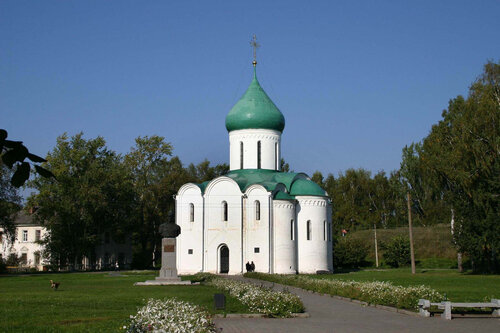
306 187
280 195
295 183
255 110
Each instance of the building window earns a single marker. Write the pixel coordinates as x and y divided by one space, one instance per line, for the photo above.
24 258
241 155
309 230
190 251
256 250
258 154
106 237
324 230
276 162
37 235
191 212
257 210
37 258
224 211
1 236
329 232
25 235
292 233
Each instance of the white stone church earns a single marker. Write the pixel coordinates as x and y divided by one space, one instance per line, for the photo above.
280 221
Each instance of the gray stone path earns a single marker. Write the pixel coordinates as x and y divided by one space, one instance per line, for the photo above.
328 314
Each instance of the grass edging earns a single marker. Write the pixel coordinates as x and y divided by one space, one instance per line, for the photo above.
258 315
378 306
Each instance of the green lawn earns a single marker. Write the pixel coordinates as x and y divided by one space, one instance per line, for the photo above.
88 302
457 286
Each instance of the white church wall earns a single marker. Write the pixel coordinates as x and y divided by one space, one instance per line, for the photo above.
313 253
190 241
270 145
256 233
217 230
285 259
330 242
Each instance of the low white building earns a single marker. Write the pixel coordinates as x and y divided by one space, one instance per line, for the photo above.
25 244
107 255
279 221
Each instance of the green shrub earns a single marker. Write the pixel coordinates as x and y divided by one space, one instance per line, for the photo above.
349 253
397 252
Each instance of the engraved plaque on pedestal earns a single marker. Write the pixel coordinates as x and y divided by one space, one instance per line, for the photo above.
168 269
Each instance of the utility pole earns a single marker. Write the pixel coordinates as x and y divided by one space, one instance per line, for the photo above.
376 247
411 235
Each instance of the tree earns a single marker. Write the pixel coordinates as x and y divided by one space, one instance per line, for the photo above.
317 177
148 164
381 200
284 167
14 155
350 200
461 154
204 172
93 194
428 206
9 201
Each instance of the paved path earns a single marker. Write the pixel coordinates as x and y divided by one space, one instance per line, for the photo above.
328 314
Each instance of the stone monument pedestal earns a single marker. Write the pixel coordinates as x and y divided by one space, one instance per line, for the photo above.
168 271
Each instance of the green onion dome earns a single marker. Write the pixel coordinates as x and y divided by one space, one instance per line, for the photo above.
255 110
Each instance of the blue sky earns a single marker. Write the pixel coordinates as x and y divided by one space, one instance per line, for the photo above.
356 80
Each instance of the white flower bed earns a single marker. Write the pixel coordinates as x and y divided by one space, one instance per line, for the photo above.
170 315
376 292
260 299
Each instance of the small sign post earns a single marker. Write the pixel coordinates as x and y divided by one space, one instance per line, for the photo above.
219 301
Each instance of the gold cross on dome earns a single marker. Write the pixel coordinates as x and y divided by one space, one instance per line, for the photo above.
255 45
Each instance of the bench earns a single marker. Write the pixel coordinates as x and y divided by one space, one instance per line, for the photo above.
424 306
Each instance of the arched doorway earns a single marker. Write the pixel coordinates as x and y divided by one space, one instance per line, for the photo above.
224 259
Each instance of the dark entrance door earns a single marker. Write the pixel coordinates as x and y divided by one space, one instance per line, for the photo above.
224 259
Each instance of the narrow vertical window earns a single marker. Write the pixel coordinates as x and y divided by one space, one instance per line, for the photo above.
258 154
37 235
277 167
224 211
257 210
191 212
241 154
324 230
329 232
25 235
308 230
292 230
